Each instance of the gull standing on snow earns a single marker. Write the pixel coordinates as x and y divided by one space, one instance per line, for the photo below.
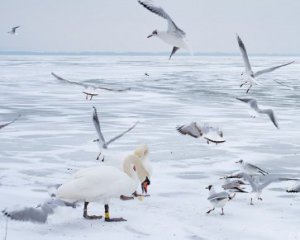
218 200
258 185
248 74
89 90
101 141
6 124
294 189
13 30
210 134
250 168
253 104
174 35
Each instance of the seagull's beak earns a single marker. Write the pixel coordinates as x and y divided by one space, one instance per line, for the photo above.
150 36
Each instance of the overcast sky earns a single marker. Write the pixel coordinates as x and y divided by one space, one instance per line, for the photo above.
266 26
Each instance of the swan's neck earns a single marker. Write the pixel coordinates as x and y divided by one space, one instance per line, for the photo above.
141 171
128 167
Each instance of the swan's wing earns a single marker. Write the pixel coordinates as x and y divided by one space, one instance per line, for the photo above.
97 126
122 134
271 115
172 27
190 129
218 196
68 81
267 70
6 124
244 55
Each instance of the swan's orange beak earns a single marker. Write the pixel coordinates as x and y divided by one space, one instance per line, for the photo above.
145 185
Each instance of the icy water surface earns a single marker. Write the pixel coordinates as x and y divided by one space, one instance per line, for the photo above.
55 131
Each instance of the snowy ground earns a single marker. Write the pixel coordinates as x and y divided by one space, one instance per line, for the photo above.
55 135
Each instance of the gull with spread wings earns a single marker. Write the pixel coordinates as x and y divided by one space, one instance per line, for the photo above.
101 141
248 75
174 35
89 89
13 30
253 105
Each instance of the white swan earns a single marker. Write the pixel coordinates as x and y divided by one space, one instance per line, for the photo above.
100 184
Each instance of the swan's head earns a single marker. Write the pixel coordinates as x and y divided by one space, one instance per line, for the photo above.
141 151
154 33
145 185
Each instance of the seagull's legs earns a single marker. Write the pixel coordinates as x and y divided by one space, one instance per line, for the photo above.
86 97
108 219
210 210
249 88
91 97
251 202
243 84
99 157
222 212
85 214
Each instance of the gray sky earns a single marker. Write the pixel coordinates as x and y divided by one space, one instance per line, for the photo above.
266 26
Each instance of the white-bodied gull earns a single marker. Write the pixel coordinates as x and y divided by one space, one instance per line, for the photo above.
103 144
218 200
174 36
89 89
210 134
259 183
248 75
250 168
253 105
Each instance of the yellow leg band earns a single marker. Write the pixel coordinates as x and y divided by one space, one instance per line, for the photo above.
107 215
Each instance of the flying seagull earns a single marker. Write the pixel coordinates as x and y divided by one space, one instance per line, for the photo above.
101 141
89 90
250 168
248 74
38 214
6 124
174 35
253 105
258 186
13 30
218 200
210 134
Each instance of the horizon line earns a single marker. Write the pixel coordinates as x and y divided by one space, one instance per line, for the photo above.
132 53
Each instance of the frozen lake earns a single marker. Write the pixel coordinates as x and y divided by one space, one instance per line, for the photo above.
56 133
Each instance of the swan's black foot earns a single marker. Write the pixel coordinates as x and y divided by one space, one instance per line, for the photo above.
92 217
115 220
125 198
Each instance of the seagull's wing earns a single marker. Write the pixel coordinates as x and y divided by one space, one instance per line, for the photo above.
97 126
263 172
271 115
15 28
6 124
68 81
111 89
245 100
282 84
27 214
270 180
190 129
267 70
244 55
122 134
172 27
218 196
